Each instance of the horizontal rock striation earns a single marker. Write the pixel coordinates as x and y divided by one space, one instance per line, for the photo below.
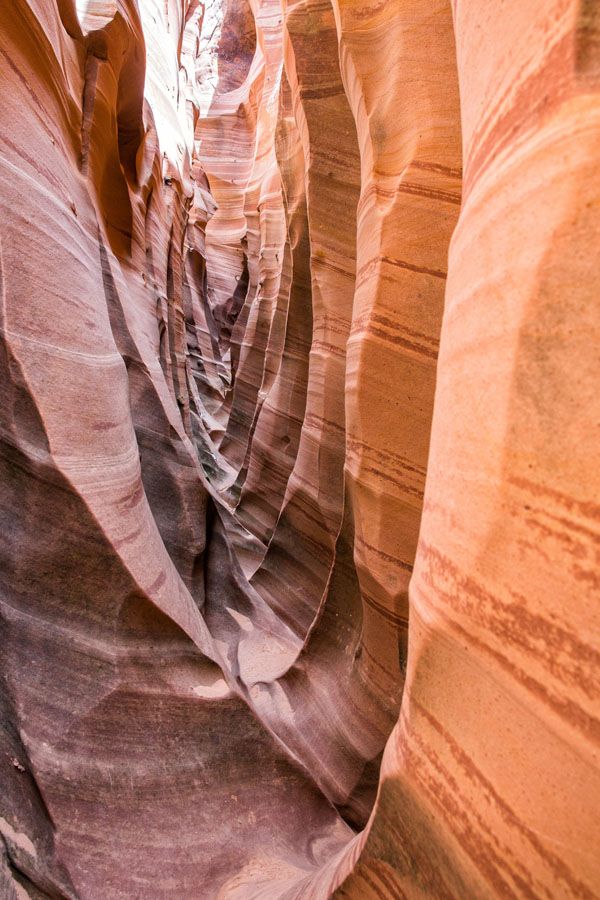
299 471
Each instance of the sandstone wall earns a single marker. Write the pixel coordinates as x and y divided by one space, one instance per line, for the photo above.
299 448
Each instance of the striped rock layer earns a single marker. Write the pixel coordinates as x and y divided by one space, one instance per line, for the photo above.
299 481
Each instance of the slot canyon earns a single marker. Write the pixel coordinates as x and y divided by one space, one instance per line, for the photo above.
299 449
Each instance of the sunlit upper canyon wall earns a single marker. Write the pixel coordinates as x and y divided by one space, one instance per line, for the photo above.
299 449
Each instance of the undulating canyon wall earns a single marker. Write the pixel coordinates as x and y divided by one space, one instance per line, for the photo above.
299 430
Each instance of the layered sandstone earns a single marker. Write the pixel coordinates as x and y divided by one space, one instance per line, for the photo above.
298 439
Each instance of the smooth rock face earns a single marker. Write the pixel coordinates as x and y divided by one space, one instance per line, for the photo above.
299 342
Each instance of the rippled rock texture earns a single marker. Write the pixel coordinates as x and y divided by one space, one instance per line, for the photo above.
299 449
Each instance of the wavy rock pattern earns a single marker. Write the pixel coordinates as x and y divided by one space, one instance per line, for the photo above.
244 247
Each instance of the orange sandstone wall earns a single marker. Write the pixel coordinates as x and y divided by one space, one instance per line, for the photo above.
298 449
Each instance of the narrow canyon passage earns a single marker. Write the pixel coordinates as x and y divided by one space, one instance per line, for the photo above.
299 334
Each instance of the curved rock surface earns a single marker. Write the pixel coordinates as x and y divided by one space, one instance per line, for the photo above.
299 475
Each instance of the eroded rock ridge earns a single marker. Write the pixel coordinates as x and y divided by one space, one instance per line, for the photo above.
298 334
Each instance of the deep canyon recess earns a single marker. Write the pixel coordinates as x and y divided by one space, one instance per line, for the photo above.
298 336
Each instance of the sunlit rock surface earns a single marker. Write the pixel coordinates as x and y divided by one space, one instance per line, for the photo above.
299 429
